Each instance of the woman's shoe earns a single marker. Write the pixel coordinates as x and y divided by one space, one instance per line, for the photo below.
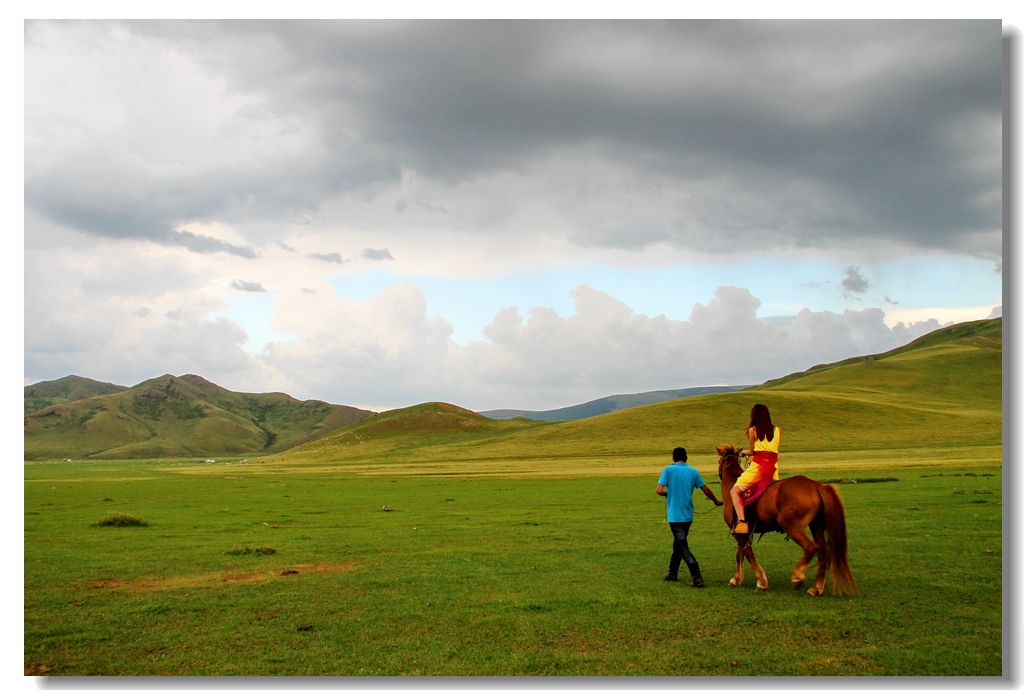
740 527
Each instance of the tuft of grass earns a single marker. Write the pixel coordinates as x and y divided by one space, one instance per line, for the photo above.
120 520
250 551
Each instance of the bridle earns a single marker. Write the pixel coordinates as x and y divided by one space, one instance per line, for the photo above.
724 458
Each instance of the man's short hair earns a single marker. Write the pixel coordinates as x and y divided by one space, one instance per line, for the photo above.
679 455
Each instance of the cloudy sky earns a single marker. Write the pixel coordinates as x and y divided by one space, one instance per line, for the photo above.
502 213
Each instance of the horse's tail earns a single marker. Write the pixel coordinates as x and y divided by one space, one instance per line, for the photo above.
835 549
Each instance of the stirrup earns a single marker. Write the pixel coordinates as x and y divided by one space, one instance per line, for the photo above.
740 527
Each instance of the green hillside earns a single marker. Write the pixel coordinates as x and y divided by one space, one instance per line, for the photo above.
412 431
183 416
986 334
941 391
68 389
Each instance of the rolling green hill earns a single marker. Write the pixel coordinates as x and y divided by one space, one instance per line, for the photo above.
943 390
413 432
184 416
68 389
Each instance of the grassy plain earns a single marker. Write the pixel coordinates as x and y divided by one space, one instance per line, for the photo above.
509 574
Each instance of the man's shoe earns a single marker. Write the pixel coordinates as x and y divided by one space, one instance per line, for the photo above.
670 577
740 527
695 579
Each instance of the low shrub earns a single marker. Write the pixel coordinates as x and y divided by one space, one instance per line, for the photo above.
120 520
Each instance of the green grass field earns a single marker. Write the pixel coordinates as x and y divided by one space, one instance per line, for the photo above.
500 575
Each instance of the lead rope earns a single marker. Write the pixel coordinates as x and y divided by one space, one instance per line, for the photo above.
705 512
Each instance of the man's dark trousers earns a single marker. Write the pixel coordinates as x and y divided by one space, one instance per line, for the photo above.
681 550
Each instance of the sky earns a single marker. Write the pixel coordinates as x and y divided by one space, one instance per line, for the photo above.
503 214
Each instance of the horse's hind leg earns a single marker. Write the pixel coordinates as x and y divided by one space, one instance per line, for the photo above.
819 542
799 536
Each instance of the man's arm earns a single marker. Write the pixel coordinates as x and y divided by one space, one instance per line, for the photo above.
661 490
710 494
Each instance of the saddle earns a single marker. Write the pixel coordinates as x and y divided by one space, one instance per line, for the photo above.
756 526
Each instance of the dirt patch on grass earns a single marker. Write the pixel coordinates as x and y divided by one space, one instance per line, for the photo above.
148 584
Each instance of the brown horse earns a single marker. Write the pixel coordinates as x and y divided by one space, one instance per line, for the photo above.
791 505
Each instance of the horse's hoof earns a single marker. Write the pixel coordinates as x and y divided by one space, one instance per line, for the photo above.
762 589
813 592
733 583
797 584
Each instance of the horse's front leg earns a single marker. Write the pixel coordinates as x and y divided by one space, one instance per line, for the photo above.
744 550
759 573
737 579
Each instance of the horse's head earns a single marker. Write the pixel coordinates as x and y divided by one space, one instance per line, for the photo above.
728 458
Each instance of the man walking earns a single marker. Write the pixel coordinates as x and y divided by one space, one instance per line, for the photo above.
676 484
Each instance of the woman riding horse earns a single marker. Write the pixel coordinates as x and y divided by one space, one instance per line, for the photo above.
764 449
795 506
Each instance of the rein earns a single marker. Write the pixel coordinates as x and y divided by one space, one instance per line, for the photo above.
721 465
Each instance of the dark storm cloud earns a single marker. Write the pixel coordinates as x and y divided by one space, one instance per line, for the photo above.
879 117
793 134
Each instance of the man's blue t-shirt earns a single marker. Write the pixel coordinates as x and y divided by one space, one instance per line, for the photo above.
679 480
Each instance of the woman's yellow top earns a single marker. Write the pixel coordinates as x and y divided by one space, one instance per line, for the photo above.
770 446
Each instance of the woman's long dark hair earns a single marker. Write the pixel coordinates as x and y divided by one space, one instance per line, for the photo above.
761 420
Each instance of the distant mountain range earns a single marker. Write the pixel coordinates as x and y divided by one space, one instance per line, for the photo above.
188 416
611 403
169 416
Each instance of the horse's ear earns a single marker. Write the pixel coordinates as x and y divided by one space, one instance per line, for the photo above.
722 450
